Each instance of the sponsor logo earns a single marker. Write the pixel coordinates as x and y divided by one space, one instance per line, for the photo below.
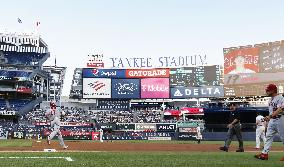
147 73
155 88
178 93
97 85
159 138
95 72
167 127
145 126
123 89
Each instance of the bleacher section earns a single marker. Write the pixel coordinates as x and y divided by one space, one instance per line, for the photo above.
22 78
28 59
2 104
14 73
18 104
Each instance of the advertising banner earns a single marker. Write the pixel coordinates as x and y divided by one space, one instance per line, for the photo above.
145 126
125 136
155 88
196 92
95 135
159 138
95 61
96 88
64 124
18 135
148 73
73 135
252 78
186 136
188 130
103 73
159 134
3 134
120 105
125 127
139 136
241 60
257 89
107 126
166 127
186 124
125 88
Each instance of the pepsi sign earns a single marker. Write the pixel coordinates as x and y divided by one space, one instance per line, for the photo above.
103 73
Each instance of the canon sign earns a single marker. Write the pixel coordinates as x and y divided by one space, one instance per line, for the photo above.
166 127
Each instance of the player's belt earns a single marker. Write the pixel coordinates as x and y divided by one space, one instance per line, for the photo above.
276 117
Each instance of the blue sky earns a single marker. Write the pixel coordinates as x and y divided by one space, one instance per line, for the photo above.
137 28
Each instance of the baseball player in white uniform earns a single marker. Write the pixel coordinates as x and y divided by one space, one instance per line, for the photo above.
275 120
53 115
101 135
198 134
260 130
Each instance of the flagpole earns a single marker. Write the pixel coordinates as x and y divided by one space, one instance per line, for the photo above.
53 78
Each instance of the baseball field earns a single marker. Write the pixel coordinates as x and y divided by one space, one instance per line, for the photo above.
133 153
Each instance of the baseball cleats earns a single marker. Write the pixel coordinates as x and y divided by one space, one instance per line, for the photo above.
223 149
65 147
240 150
198 141
48 142
261 156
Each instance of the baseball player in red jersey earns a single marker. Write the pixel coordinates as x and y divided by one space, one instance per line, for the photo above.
53 115
275 120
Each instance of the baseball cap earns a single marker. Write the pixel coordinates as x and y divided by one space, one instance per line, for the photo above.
271 87
52 104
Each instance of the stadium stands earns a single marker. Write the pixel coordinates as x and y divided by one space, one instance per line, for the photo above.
149 115
2 104
22 79
102 116
28 59
17 104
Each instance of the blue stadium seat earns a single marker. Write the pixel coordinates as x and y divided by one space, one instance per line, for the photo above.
17 104
17 58
2 103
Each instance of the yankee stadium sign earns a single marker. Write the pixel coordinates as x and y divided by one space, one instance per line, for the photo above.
195 92
145 62
158 61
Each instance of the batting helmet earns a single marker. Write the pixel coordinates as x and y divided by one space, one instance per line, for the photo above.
52 104
271 87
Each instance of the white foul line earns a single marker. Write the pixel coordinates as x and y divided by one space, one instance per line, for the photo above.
67 158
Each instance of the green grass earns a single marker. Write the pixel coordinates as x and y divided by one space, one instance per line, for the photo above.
126 159
246 143
15 143
136 159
